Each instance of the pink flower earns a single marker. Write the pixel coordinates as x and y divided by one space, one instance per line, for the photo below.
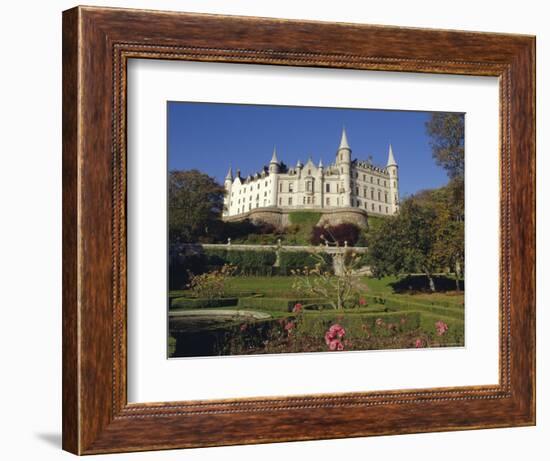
379 322
289 326
362 302
441 327
419 343
333 336
297 308
336 345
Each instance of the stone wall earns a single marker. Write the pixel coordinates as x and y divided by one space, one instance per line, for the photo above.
279 217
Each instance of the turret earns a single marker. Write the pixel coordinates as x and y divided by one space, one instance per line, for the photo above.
274 169
274 166
392 169
343 162
227 198
228 179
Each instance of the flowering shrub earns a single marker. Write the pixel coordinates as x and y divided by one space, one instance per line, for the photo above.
419 343
441 327
334 337
339 290
211 285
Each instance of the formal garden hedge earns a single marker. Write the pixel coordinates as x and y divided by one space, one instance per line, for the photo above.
297 260
245 262
279 304
198 303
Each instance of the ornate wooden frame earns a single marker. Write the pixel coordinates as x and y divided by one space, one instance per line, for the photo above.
97 43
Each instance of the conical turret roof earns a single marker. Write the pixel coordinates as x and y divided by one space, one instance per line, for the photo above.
274 156
229 174
391 158
344 140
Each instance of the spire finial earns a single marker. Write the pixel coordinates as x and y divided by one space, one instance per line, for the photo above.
391 158
229 174
344 140
321 163
274 156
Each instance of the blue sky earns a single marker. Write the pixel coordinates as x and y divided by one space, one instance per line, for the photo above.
213 137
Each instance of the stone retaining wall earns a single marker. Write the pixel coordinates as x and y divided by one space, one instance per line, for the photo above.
280 217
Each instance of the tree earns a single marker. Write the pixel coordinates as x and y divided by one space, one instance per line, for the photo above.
195 202
446 131
405 243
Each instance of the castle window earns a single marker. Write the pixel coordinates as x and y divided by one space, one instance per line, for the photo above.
384 183
386 197
372 206
380 208
356 191
308 186
378 181
365 178
304 200
328 200
356 175
337 202
308 200
352 202
327 187
394 184
366 205
290 187
386 210
280 187
342 170
249 206
265 194
365 192
371 194
358 203
379 199
290 200
371 179
266 184
309 172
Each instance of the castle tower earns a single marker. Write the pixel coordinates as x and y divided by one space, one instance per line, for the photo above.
227 197
343 162
392 169
274 169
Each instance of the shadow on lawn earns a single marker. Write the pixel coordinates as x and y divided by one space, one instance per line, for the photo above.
419 283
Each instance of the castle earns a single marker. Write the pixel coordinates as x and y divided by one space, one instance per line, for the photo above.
345 191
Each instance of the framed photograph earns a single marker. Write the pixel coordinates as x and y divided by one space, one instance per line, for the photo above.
284 230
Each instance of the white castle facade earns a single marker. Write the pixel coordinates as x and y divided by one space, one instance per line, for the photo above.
345 184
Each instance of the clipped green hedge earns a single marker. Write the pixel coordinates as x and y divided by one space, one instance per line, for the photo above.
198 303
455 311
246 262
297 260
278 304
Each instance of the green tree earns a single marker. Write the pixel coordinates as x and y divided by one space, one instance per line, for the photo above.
446 131
195 202
405 243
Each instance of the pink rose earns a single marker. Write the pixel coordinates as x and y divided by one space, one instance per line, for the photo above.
441 327
297 308
337 330
289 326
419 343
362 302
336 345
